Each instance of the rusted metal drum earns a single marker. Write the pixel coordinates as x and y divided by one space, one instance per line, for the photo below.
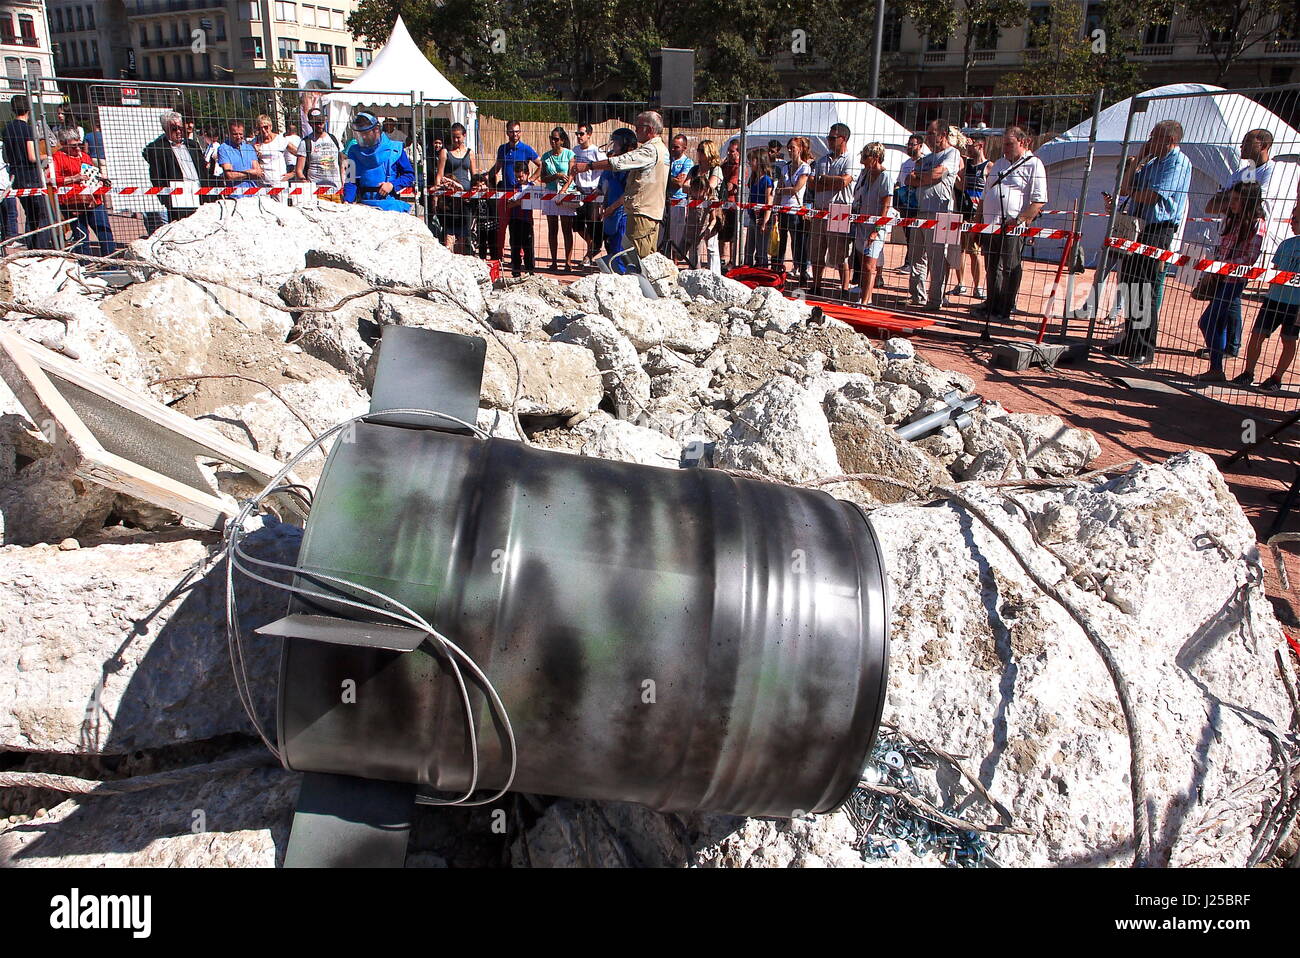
684 638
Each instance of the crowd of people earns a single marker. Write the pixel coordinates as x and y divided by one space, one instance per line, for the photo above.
638 193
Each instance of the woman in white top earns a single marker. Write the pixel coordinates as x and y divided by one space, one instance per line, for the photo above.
791 197
271 147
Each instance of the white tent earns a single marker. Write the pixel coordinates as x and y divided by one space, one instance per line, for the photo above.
1213 128
812 116
399 74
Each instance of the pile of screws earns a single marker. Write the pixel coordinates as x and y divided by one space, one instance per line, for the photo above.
883 822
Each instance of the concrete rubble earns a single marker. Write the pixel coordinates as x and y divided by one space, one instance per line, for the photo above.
99 660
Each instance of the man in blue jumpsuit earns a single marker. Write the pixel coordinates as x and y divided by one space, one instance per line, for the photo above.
379 167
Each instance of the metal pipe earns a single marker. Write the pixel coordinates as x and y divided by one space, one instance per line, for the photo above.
1077 227
1136 105
958 411
878 47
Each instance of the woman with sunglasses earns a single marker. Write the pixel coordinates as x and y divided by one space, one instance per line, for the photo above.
555 172
271 150
456 172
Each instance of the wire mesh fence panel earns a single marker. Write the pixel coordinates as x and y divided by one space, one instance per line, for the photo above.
791 154
148 179
1203 249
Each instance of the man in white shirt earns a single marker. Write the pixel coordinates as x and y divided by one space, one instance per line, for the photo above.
1258 168
1014 195
589 220
933 178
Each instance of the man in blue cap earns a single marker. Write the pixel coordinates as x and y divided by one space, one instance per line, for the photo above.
379 167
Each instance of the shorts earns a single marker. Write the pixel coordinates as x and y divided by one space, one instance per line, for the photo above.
824 241
1274 314
871 249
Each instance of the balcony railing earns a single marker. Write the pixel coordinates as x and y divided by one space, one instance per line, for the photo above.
1156 50
985 56
1220 47
935 56
145 8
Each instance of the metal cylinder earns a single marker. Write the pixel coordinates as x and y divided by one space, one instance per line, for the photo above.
684 639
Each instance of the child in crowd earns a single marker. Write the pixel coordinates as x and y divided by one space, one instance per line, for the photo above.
698 219
761 187
1281 309
484 213
521 222
1240 239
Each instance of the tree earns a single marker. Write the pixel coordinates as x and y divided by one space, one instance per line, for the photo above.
1231 27
946 17
1072 59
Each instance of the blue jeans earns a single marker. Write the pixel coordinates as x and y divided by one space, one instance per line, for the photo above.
95 218
8 217
154 221
1221 318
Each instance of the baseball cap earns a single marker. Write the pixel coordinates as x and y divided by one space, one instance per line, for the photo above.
315 113
364 121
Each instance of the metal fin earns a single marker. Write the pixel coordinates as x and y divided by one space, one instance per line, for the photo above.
336 631
428 369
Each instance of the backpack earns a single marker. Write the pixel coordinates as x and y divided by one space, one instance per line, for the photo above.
305 150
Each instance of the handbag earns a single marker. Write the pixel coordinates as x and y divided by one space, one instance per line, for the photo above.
1206 287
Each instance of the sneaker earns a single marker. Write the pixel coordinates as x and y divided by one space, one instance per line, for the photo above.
1211 376
854 291
1202 354
1244 379
981 292
957 291
1270 385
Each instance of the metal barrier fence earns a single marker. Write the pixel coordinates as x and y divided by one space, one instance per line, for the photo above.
1186 304
912 275
120 119
1092 290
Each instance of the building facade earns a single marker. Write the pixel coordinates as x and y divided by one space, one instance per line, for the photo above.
203 41
24 45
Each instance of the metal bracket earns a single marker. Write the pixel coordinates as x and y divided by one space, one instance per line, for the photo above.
428 369
336 631
346 822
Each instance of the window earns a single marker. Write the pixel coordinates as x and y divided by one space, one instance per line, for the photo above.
27 27
58 19
7 34
308 16
1040 17
340 20
157 35
90 17
286 12
69 56
81 18
893 33
34 69
313 47
251 47
148 67
176 65
1094 18
288 46
340 56
221 28
250 10
1156 33
986 36
363 57
85 52
94 52
936 44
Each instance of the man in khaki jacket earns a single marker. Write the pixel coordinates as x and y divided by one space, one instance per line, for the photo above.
647 180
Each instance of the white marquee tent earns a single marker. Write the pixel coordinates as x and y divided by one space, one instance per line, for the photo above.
1213 128
812 116
398 73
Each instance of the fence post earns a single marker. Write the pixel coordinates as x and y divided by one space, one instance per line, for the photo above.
738 241
1077 226
37 103
1136 105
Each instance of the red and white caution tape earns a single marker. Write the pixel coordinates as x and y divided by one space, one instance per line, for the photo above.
808 212
1261 274
300 189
